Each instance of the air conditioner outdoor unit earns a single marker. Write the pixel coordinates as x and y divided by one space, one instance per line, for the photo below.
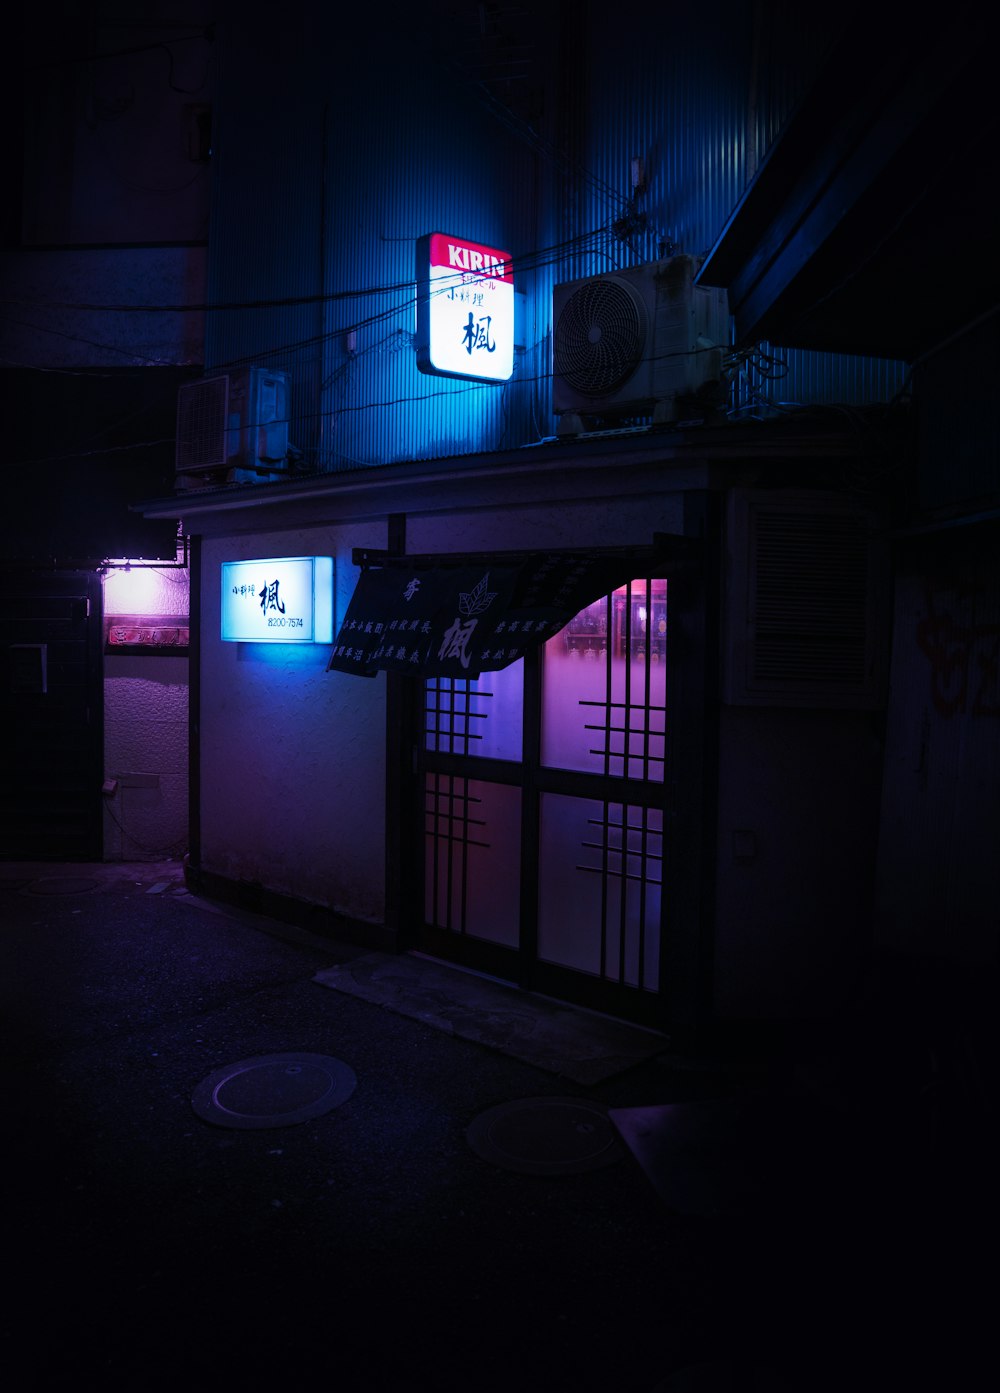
234 425
640 341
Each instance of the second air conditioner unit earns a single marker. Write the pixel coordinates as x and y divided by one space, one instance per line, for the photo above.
641 341
232 427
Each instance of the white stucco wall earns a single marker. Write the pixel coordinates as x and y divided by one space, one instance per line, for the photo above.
292 756
610 521
146 725
293 762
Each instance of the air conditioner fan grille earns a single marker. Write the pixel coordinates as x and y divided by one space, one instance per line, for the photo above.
599 337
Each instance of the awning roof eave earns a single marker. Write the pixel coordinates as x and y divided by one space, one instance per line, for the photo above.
665 547
458 616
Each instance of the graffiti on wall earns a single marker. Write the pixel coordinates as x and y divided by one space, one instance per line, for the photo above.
964 657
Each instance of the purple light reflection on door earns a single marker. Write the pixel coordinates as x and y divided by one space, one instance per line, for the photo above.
597 861
481 716
604 682
472 857
599 900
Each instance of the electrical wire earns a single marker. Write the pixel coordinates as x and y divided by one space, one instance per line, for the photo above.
751 373
207 33
454 388
757 408
91 343
534 260
538 259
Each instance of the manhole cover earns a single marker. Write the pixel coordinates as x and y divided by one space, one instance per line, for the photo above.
63 885
546 1136
723 1376
273 1090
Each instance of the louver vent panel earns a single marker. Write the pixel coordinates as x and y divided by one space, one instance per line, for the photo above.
811 598
803 603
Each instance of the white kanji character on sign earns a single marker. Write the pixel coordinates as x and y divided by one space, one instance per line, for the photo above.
456 640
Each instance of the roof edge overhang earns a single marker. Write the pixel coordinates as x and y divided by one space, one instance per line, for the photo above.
884 173
611 467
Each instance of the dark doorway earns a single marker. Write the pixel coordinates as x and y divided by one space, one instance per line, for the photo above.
51 703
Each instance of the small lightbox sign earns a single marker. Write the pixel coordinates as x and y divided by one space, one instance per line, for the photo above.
287 599
465 309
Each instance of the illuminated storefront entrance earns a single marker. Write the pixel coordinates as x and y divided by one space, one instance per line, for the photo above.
544 810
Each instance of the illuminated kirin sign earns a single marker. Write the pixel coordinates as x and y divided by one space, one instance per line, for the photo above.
465 309
286 599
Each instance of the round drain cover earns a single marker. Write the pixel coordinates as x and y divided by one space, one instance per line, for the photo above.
62 885
273 1090
546 1136
723 1376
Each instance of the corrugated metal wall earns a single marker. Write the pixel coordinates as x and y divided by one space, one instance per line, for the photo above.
511 127
265 247
436 161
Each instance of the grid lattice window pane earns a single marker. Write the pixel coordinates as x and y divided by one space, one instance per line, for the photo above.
600 883
481 717
604 686
472 846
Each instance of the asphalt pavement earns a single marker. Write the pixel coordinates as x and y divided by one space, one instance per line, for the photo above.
372 1246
